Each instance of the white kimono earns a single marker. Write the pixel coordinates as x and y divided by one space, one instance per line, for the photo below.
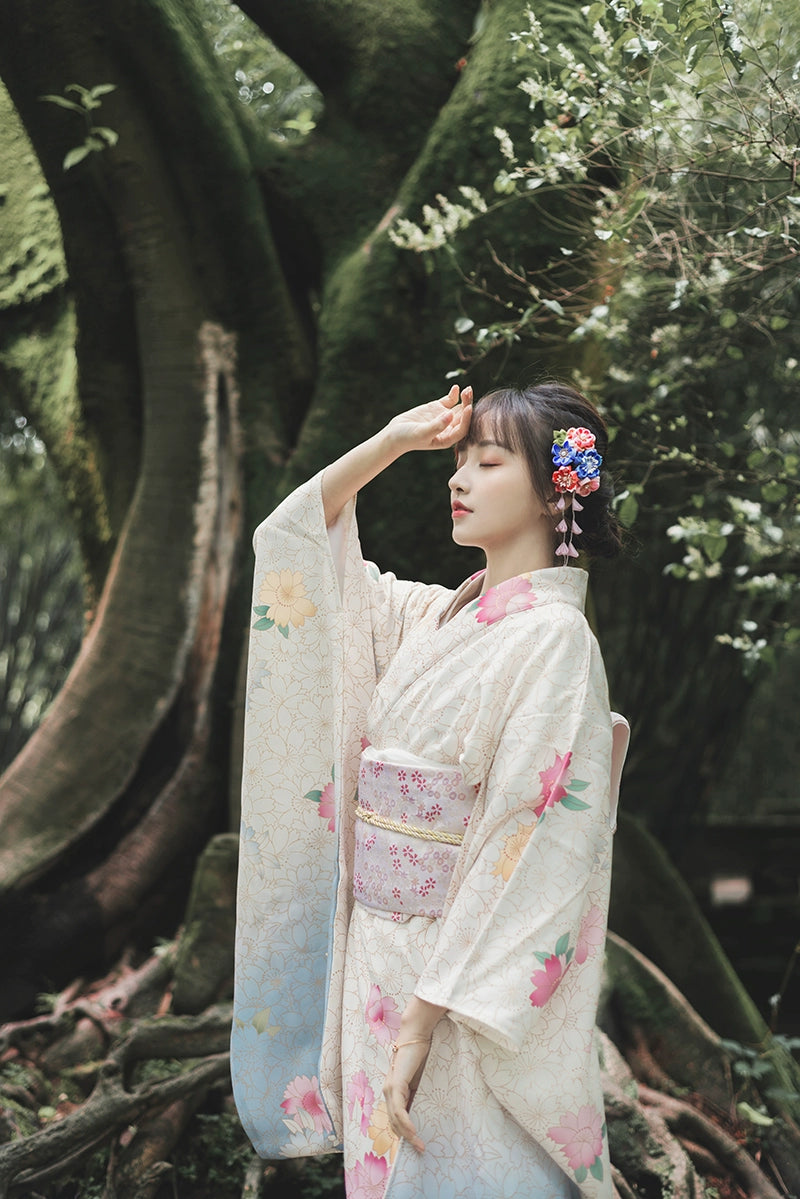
510 691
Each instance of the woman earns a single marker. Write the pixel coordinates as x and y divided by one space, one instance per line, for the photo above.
427 822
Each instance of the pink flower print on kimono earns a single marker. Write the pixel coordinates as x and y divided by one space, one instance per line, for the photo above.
580 1135
555 965
514 595
282 601
360 1094
382 1016
545 981
367 1179
303 1096
591 936
557 788
326 798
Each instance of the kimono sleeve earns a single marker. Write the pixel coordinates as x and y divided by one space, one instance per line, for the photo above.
393 606
320 621
528 914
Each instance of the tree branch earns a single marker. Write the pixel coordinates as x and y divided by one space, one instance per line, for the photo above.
343 44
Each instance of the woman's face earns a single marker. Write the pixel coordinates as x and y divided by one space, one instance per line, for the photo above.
493 502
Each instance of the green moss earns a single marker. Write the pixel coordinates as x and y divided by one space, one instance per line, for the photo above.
204 962
31 254
388 315
38 363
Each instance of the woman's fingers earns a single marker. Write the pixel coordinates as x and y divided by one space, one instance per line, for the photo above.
408 1062
402 1124
452 396
435 425
456 429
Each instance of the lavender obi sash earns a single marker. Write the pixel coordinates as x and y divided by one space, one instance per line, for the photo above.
410 823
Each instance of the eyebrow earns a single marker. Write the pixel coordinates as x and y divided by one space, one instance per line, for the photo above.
462 446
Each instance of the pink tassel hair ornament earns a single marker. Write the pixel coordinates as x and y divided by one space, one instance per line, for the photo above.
577 473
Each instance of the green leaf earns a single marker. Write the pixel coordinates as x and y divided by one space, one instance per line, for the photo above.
63 102
774 491
102 89
755 1117
264 623
714 545
562 945
596 1169
573 804
580 1174
628 510
107 135
541 957
728 318
283 629
77 155
315 795
553 306
778 322
261 609
577 785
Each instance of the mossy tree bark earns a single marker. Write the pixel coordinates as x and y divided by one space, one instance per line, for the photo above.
192 236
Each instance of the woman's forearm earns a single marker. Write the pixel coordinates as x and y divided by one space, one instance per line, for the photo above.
359 466
419 1019
433 426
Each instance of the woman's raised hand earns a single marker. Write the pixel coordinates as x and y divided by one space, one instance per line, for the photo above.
434 426
437 425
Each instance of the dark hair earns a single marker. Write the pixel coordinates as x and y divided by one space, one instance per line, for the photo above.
524 421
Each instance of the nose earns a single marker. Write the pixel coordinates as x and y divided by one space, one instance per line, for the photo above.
457 481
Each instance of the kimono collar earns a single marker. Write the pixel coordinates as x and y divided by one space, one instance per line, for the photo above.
553 584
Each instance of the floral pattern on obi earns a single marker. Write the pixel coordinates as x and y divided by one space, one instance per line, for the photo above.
407 873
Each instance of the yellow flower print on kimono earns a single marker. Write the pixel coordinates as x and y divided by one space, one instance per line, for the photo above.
283 601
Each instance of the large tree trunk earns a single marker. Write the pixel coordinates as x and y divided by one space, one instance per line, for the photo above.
122 781
127 741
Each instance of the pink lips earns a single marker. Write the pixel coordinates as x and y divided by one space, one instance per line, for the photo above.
460 510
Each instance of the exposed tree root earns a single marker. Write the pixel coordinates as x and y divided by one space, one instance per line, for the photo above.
666 1141
644 1151
25 1163
685 1120
137 1170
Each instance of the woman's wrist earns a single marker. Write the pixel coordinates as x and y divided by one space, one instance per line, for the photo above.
419 1019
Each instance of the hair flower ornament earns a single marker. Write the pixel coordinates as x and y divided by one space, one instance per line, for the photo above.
577 473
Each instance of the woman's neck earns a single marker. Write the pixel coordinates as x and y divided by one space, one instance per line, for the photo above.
508 562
